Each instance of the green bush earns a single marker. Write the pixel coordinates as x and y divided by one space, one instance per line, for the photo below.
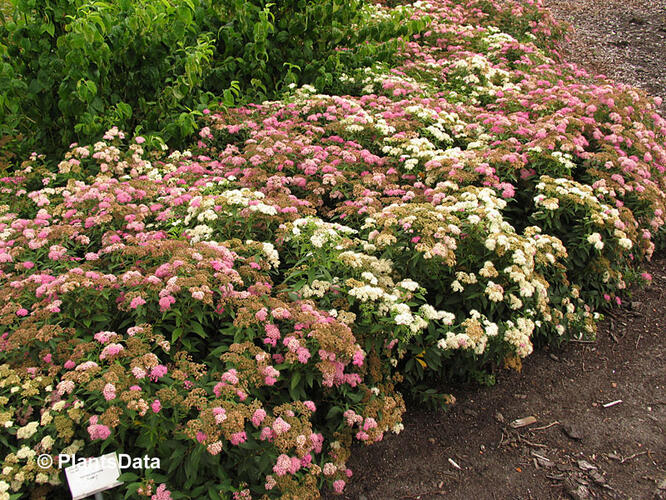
71 69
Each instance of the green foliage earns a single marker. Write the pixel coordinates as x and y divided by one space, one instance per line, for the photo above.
71 69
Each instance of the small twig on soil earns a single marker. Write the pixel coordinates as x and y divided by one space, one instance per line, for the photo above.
633 456
583 341
612 403
638 340
545 426
530 443
610 332
649 454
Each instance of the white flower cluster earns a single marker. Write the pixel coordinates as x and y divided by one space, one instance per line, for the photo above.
404 316
477 330
368 293
595 239
509 276
269 251
317 289
601 215
205 209
475 68
565 159
317 231
361 276
359 260
200 232
430 313
519 334
496 38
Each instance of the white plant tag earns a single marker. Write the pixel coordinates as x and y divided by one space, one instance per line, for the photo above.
96 474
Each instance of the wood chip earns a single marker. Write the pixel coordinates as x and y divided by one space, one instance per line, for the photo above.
585 465
523 422
542 461
612 403
576 491
452 462
597 477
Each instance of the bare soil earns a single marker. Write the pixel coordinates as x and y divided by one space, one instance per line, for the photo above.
600 407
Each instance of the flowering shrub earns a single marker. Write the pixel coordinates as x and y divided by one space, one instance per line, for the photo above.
603 241
247 309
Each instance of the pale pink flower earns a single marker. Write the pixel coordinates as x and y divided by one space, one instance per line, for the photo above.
166 301
282 465
310 406
270 483
215 448
238 438
65 386
98 431
280 426
111 350
339 485
258 417
220 414
109 392
158 372
104 337
136 302
261 314
162 493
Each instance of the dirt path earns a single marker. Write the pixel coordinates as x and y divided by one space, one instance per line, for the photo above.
578 448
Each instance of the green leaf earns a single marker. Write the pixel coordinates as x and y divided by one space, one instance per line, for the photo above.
128 477
132 489
333 412
175 334
48 28
295 380
198 329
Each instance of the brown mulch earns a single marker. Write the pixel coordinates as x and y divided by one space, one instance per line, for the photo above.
578 448
622 39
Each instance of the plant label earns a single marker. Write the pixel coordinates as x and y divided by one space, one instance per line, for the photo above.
93 475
